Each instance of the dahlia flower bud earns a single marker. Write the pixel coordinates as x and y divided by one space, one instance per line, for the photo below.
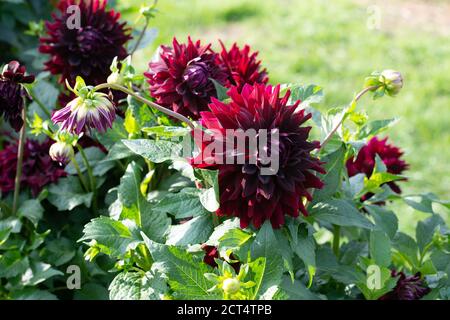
392 80
90 109
61 152
231 286
12 93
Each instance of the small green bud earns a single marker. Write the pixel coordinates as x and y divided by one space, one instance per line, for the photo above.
392 80
231 286
115 78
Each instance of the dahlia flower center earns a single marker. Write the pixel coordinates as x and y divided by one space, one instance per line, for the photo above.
196 76
89 40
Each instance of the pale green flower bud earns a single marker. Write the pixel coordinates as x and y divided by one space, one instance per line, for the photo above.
231 286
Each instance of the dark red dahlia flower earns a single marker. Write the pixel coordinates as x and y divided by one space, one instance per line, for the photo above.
365 161
407 288
181 78
89 50
38 168
242 66
247 190
12 93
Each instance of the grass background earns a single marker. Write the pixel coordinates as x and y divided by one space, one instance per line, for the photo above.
331 44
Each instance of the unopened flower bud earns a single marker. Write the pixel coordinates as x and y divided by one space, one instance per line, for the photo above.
231 286
61 152
392 80
115 78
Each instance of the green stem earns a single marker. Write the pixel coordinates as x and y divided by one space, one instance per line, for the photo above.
356 99
40 104
91 178
141 36
336 239
146 101
20 153
215 219
80 174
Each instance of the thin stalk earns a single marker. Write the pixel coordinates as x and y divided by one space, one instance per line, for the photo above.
141 36
356 99
215 219
40 104
80 174
146 101
20 152
91 178
336 239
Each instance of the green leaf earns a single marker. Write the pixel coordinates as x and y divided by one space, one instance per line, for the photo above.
155 151
137 286
12 264
118 151
385 220
265 248
167 131
68 194
308 94
375 127
296 290
426 229
340 212
183 204
196 230
407 248
334 164
233 239
221 230
137 208
38 272
186 276
33 294
113 237
32 210
91 291
221 90
380 248
96 157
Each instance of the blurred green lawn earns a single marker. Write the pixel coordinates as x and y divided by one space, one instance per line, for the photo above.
328 43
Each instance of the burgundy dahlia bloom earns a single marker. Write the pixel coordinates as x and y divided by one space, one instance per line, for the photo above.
365 160
87 51
38 168
407 288
12 93
246 191
242 66
181 78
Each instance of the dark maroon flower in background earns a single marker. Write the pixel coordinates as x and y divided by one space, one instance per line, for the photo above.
88 51
244 191
12 93
181 78
38 168
242 66
407 288
365 160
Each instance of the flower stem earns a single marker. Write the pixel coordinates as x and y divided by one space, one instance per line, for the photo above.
20 152
91 178
40 104
356 99
147 102
336 239
80 174
141 36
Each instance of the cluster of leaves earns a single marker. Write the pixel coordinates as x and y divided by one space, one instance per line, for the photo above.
159 221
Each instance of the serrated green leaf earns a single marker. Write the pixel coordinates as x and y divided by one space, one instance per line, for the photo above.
340 212
137 286
186 276
380 248
68 194
156 151
114 237
194 231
